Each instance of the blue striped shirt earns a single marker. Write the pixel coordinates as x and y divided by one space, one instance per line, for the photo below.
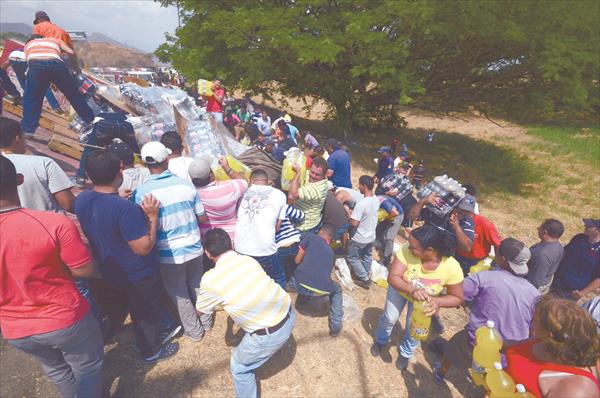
178 232
288 233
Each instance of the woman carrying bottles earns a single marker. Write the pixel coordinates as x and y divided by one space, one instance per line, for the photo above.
563 358
420 271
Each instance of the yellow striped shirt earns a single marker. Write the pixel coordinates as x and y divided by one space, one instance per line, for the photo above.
246 292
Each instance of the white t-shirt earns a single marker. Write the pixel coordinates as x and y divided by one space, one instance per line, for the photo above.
264 126
42 177
365 212
179 166
260 209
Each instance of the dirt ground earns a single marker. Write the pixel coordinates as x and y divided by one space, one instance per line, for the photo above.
313 363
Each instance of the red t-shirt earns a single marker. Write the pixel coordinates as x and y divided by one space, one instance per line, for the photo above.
486 236
37 294
214 105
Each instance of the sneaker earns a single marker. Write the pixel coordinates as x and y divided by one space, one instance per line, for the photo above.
376 349
436 324
437 373
364 284
168 334
165 352
402 363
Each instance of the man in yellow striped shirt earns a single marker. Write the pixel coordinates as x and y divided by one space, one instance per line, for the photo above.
255 303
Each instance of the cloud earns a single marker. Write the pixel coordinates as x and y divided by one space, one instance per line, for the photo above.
138 23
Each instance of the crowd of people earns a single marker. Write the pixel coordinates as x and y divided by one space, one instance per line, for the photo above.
168 243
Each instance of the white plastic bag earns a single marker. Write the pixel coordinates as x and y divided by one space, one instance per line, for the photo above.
343 274
352 311
379 274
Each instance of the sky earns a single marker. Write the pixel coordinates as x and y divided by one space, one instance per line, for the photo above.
138 23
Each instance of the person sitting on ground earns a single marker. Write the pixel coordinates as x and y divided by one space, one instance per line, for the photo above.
133 176
288 238
364 223
563 358
122 241
259 215
178 163
385 164
578 273
45 66
501 295
313 276
220 199
178 242
420 271
46 186
335 215
545 255
486 236
338 163
390 218
41 311
263 311
310 198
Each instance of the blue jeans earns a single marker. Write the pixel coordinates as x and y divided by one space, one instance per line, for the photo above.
272 266
339 233
360 256
39 76
20 68
71 357
394 304
253 351
336 301
287 255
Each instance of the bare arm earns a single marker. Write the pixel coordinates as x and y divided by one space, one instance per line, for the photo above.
299 256
329 172
65 47
574 386
453 298
415 211
143 246
85 271
294 193
228 170
463 242
65 199
593 285
396 280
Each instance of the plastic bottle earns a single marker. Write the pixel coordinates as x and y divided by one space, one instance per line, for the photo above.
478 377
499 382
480 266
487 347
294 156
419 322
522 392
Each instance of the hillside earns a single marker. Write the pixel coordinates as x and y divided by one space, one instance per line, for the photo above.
16 27
102 54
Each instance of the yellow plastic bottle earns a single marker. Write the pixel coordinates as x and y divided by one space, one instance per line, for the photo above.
294 156
205 87
488 344
478 377
419 322
480 266
236 165
499 382
522 392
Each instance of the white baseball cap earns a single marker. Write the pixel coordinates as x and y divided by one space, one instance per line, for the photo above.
155 153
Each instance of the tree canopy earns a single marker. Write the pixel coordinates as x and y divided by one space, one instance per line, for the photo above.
365 58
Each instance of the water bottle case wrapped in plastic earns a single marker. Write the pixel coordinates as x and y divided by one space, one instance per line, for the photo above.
449 193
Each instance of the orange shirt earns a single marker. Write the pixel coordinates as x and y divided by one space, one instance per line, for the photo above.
48 29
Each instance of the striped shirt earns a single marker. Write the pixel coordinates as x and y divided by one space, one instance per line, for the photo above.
288 234
248 295
178 233
42 49
221 200
311 201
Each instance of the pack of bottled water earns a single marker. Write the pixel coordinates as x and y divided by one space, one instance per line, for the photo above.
449 193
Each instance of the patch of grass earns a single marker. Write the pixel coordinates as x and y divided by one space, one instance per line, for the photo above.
489 167
584 143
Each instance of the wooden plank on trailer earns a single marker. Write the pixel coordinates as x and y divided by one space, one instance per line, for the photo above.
65 146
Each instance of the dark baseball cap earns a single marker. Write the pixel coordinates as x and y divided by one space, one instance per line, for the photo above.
517 254
122 150
40 15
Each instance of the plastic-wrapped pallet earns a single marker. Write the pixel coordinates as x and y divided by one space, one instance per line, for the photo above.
147 129
202 141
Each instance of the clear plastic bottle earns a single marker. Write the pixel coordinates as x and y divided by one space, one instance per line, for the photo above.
419 322
522 392
499 382
487 346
